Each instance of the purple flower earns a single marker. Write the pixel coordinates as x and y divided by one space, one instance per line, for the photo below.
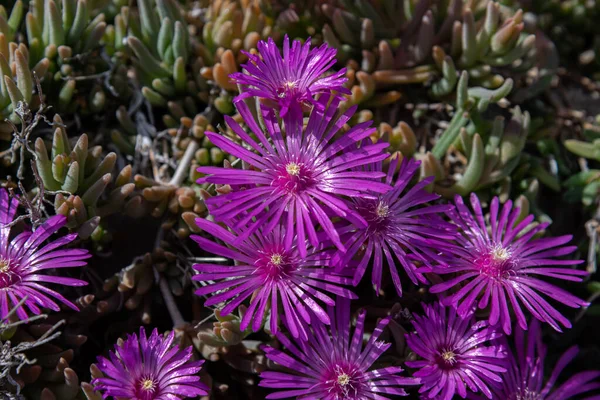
271 271
293 79
454 355
499 263
332 365
23 259
297 178
150 369
399 227
524 379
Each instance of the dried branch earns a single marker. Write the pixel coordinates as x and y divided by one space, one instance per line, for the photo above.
14 357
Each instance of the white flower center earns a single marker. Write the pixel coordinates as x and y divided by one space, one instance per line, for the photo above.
382 210
500 254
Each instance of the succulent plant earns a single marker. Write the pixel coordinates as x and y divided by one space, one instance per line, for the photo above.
482 156
81 175
84 217
389 45
159 199
65 33
137 279
493 97
401 138
226 330
62 30
584 186
10 22
170 193
460 159
166 63
17 83
76 169
482 52
589 150
232 26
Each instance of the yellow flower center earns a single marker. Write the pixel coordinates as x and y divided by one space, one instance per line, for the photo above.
149 385
292 169
276 259
4 266
286 88
343 379
449 356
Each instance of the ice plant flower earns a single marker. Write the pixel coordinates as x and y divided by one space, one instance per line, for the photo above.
524 379
400 226
332 365
273 274
24 258
150 368
290 80
455 354
500 262
300 177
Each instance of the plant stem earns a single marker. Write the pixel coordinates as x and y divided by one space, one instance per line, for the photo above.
184 164
174 312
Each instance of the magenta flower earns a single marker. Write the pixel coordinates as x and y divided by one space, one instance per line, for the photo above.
270 271
291 80
23 259
332 365
525 376
400 227
150 369
298 178
499 263
455 357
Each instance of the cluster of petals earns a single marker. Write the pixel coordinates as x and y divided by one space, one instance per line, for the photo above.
333 364
150 368
292 80
499 263
313 206
25 263
525 378
270 270
457 354
298 174
316 204
400 226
